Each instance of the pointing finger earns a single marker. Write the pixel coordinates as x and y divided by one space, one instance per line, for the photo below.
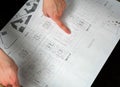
61 25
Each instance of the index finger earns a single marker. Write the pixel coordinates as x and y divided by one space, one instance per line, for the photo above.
62 25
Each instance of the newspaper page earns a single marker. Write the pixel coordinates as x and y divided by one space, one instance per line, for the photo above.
48 57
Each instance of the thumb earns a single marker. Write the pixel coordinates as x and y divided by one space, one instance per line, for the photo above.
62 25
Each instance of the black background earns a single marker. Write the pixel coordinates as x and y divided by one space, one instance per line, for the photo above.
8 8
109 76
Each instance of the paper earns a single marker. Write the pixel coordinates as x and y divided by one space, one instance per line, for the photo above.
48 57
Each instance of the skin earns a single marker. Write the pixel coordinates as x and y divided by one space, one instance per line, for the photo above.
8 71
54 9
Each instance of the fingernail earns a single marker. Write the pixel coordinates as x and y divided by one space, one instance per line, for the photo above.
69 32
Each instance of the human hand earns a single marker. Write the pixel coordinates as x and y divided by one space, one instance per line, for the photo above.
54 9
8 71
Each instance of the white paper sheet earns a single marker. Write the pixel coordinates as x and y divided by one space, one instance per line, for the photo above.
48 57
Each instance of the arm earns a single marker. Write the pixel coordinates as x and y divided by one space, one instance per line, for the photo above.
54 9
8 71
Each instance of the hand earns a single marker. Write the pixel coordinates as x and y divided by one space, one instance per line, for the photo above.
54 9
8 71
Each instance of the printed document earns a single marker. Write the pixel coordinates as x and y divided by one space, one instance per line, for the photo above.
48 57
